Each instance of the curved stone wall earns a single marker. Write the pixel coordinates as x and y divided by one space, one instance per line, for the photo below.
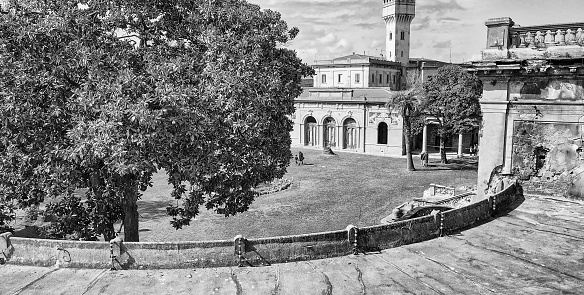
241 251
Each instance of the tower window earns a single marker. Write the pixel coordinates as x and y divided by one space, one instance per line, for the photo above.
323 79
390 36
402 54
403 35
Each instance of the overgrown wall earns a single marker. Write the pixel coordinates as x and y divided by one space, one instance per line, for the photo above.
264 251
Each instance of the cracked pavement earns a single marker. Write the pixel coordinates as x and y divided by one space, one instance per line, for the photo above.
534 249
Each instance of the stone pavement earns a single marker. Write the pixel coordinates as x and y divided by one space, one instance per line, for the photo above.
538 248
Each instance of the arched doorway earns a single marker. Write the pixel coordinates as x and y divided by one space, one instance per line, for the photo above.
310 131
350 137
382 133
329 133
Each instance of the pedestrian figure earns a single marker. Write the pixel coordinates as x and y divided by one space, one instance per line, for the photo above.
424 159
475 149
472 152
301 158
296 159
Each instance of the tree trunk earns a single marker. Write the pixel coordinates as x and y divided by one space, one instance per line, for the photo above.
97 190
408 143
130 210
443 159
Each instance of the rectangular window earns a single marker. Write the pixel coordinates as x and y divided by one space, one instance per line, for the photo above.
380 78
390 36
387 79
340 78
394 78
357 78
403 35
323 79
372 78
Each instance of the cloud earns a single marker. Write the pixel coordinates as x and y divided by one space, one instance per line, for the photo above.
330 37
438 7
442 45
421 23
449 19
416 44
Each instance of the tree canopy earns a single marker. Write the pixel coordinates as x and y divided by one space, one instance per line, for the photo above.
103 94
451 97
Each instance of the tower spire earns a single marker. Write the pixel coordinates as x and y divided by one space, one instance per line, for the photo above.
398 16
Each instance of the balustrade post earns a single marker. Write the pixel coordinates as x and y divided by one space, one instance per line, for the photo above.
560 38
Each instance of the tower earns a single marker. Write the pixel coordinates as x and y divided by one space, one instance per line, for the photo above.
398 16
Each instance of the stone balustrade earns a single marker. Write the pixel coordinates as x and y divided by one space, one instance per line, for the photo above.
540 38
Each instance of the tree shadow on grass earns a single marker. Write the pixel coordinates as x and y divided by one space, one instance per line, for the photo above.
152 210
453 164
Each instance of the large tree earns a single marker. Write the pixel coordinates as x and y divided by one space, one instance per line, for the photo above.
407 104
452 99
103 93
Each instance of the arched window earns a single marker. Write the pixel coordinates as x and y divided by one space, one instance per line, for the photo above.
330 125
310 132
382 133
350 136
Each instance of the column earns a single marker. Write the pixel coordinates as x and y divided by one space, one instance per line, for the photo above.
460 136
425 139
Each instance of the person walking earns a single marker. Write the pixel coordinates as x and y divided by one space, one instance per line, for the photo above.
300 158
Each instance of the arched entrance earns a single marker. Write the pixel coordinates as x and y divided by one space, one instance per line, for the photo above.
382 133
350 136
329 132
310 131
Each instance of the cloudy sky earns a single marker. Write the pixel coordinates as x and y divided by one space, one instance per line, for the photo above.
332 28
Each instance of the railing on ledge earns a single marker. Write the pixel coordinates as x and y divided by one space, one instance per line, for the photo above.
547 36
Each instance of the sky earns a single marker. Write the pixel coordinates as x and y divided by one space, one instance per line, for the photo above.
447 30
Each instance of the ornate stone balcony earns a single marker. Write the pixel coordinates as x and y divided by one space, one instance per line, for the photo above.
554 41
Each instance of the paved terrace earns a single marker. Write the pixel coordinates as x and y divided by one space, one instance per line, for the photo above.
535 249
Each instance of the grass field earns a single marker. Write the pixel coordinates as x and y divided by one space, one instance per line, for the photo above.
328 193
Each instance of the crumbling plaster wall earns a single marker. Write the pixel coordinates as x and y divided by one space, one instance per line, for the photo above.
532 127
546 157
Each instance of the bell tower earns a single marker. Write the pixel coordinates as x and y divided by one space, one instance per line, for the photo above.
398 16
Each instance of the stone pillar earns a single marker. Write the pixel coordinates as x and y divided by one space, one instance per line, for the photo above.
498 32
460 137
425 139
492 149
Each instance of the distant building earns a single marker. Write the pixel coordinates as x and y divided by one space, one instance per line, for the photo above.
533 107
346 107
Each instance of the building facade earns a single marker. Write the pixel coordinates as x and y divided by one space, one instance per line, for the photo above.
533 107
345 109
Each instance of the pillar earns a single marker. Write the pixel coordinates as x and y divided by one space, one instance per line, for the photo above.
460 137
425 139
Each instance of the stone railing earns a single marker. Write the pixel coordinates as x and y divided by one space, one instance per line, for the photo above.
118 254
547 36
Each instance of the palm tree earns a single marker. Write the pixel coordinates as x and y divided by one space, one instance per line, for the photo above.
406 102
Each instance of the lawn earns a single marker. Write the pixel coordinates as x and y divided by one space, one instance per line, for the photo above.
327 193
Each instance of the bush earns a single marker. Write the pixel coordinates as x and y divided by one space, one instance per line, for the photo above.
7 215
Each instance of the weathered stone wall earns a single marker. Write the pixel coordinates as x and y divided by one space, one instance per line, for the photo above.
546 157
253 252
